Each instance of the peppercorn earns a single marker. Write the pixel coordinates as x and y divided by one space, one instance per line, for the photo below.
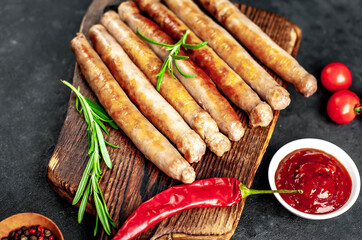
32 230
26 232
31 233
47 233
23 237
40 229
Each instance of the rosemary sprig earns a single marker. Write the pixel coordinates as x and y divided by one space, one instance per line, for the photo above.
94 116
173 57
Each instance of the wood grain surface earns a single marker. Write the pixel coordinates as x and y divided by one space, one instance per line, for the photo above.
134 179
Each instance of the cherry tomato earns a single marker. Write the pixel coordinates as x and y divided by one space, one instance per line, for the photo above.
336 76
341 106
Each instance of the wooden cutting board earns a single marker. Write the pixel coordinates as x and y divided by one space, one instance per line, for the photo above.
134 179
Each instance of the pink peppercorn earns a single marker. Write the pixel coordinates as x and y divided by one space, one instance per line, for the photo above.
40 229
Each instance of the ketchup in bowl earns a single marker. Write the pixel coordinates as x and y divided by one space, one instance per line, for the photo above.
325 182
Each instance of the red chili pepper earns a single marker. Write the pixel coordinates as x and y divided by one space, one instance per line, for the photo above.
212 192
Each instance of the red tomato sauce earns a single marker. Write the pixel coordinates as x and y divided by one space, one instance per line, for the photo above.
325 182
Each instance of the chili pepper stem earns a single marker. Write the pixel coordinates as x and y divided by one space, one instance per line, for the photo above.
245 191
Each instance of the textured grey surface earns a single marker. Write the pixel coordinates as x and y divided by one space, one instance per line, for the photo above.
35 55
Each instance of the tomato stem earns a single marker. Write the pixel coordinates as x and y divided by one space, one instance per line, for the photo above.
247 191
358 109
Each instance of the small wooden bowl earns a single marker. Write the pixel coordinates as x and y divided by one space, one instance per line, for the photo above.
17 221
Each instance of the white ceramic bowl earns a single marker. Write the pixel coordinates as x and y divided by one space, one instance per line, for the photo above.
327 147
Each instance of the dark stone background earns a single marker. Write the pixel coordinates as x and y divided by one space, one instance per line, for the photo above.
35 55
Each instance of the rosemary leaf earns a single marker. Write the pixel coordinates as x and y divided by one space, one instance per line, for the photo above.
83 181
96 227
103 148
182 73
94 116
183 39
93 181
191 46
101 125
101 213
106 210
110 144
113 125
176 57
77 103
96 108
154 42
174 50
160 75
89 141
83 204
92 141
99 111
96 164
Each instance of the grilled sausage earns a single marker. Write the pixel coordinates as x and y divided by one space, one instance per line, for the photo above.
145 96
200 87
232 52
142 133
173 91
230 83
261 45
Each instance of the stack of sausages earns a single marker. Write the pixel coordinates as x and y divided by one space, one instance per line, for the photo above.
172 127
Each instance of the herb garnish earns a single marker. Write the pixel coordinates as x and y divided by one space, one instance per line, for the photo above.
94 115
172 57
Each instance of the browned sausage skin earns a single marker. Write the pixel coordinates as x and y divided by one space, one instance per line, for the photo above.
200 87
230 83
261 45
145 96
143 134
232 52
173 91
